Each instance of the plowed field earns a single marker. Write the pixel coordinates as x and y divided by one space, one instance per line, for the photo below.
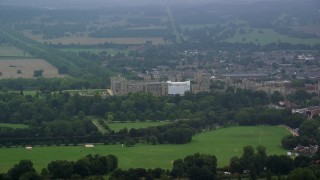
25 68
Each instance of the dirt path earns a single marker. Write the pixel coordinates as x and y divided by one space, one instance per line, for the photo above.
100 128
292 131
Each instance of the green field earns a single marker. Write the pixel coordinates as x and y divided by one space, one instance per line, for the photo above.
195 26
224 143
129 125
87 92
267 36
15 126
11 51
26 92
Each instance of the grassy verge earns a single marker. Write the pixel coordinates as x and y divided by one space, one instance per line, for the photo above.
15 126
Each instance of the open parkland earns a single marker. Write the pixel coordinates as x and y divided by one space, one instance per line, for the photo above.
224 143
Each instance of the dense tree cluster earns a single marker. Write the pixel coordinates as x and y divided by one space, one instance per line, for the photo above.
257 164
309 134
61 169
260 115
197 167
217 107
61 115
139 173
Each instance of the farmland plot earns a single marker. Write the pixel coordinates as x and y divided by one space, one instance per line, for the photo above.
24 68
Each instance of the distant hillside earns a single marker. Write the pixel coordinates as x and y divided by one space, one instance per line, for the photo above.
107 3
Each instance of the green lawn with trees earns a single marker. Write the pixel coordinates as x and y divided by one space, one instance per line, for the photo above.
223 143
11 51
267 36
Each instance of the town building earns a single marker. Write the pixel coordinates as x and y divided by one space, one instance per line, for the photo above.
202 83
180 88
284 87
310 112
119 86
306 150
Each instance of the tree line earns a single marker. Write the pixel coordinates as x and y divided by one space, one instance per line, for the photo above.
91 165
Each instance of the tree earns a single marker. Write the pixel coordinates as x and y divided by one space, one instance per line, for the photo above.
130 142
309 128
202 160
252 172
260 159
245 116
178 169
276 97
24 166
301 161
30 175
197 166
247 156
197 173
81 115
60 169
112 162
289 142
37 73
180 135
153 140
101 165
82 167
301 174
235 165
280 164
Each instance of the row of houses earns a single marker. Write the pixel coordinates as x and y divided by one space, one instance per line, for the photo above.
284 87
309 112
121 86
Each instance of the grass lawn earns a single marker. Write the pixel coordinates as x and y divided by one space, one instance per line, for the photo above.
224 143
266 36
26 92
116 126
15 126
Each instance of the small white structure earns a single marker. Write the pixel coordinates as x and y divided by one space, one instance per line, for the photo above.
89 145
289 153
178 87
28 148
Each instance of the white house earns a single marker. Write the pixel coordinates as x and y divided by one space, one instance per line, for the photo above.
178 87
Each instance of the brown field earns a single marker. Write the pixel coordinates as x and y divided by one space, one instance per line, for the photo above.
84 40
308 29
10 68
